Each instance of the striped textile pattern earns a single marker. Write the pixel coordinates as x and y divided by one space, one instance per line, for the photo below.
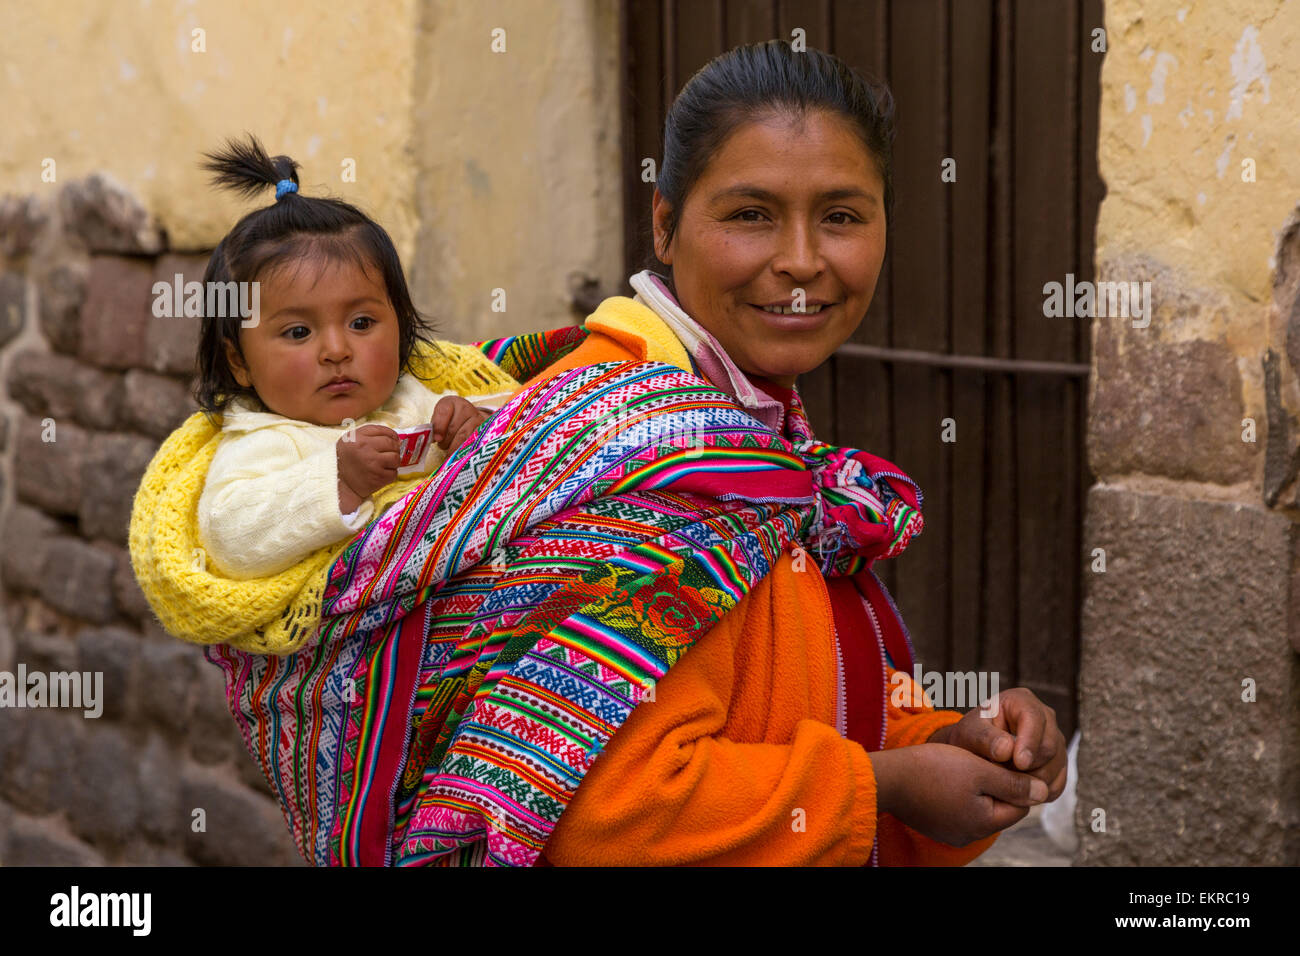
484 639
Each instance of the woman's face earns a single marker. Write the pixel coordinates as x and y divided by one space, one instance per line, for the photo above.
788 203
321 320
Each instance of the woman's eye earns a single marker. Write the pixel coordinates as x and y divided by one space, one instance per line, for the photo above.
749 215
844 218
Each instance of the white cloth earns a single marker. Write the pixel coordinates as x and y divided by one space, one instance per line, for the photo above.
271 495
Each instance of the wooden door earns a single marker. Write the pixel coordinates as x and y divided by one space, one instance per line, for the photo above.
1009 89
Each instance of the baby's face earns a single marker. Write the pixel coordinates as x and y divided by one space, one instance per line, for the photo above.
321 320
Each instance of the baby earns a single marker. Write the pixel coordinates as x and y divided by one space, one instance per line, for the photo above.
311 388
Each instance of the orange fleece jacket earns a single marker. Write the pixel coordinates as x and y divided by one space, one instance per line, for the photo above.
736 760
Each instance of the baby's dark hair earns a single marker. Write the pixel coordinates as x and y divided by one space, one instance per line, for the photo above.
292 227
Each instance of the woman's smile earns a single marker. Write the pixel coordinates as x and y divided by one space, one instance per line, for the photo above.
785 318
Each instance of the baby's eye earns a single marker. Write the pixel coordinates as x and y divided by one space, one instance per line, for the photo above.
289 331
365 318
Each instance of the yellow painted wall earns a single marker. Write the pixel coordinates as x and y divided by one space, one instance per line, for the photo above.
1190 89
489 170
517 157
117 87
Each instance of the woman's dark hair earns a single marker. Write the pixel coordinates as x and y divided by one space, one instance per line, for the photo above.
293 227
752 81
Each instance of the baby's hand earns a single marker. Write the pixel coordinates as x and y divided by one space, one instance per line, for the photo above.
454 420
367 460
1021 734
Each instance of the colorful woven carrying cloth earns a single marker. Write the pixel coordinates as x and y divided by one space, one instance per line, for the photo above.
485 638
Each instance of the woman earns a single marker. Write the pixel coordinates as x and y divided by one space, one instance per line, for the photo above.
632 619
775 193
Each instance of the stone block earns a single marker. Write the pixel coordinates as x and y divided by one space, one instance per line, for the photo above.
45 652
11 611
8 646
60 293
25 541
142 853
1187 621
13 736
126 589
168 674
114 465
77 579
162 816
13 306
99 398
155 404
107 218
6 821
104 805
21 220
116 312
48 463
1167 408
44 384
113 652
241 827
41 759
48 384
36 842
173 343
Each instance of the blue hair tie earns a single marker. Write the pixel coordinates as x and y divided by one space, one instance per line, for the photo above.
285 186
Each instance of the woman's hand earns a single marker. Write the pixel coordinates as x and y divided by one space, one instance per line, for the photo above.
368 461
1022 725
951 795
454 420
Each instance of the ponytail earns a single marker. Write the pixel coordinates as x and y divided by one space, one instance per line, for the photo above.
245 168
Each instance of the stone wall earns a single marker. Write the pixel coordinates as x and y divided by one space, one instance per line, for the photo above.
1189 678
90 384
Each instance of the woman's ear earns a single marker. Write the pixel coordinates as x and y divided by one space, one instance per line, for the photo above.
661 212
237 366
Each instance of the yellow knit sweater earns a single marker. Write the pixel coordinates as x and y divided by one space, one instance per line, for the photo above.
273 615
